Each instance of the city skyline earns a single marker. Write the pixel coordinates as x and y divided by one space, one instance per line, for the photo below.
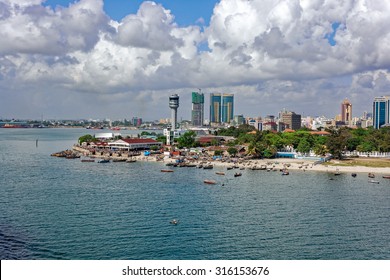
67 59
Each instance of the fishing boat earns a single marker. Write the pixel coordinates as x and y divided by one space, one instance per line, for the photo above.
371 175
166 170
237 174
220 173
386 176
174 222
373 181
131 160
337 172
354 175
87 160
210 182
285 172
104 161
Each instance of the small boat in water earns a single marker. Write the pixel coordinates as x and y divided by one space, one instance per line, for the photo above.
166 170
237 174
220 173
371 175
285 172
174 222
354 175
373 181
209 166
87 160
211 182
386 176
337 172
104 161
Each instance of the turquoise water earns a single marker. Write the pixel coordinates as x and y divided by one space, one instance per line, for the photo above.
55 208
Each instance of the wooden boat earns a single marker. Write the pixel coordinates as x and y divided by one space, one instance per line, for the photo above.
131 160
119 160
386 176
166 170
371 175
87 160
209 166
211 182
285 172
373 181
104 161
337 172
229 168
220 173
354 175
237 174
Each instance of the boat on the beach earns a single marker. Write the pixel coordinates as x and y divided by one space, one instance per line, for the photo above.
337 172
210 182
166 170
371 175
237 174
373 181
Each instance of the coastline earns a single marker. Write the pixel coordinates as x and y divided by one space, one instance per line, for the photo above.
271 164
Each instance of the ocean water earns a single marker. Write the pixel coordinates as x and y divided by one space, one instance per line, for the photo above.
56 208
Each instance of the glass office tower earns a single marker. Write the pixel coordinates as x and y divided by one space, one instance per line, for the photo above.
221 107
381 111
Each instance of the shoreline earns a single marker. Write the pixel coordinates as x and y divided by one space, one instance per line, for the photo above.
272 164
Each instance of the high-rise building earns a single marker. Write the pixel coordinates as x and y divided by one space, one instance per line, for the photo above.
346 112
174 104
292 120
381 111
221 107
197 114
135 121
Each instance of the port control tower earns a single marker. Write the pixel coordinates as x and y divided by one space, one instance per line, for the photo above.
174 104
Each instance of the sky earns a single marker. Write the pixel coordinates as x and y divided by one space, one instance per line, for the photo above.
120 59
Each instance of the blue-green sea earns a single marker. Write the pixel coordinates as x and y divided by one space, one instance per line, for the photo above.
56 208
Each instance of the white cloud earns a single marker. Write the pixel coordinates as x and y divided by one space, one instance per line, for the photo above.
272 54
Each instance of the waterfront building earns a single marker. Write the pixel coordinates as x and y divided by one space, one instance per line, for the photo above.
381 111
134 144
292 120
197 114
221 107
346 112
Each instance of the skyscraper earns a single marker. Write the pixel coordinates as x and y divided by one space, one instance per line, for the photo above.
292 120
381 111
346 112
221 107
197 115
174 104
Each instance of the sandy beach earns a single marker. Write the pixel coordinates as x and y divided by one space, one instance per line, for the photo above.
271 164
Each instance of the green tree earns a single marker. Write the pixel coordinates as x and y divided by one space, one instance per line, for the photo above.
304 146
337 141
232 151
86 138
187 139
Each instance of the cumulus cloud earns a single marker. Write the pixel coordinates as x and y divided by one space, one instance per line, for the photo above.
261 50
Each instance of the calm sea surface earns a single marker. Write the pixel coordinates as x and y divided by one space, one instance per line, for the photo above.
55 208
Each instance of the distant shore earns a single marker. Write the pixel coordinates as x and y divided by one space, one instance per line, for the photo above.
269 164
